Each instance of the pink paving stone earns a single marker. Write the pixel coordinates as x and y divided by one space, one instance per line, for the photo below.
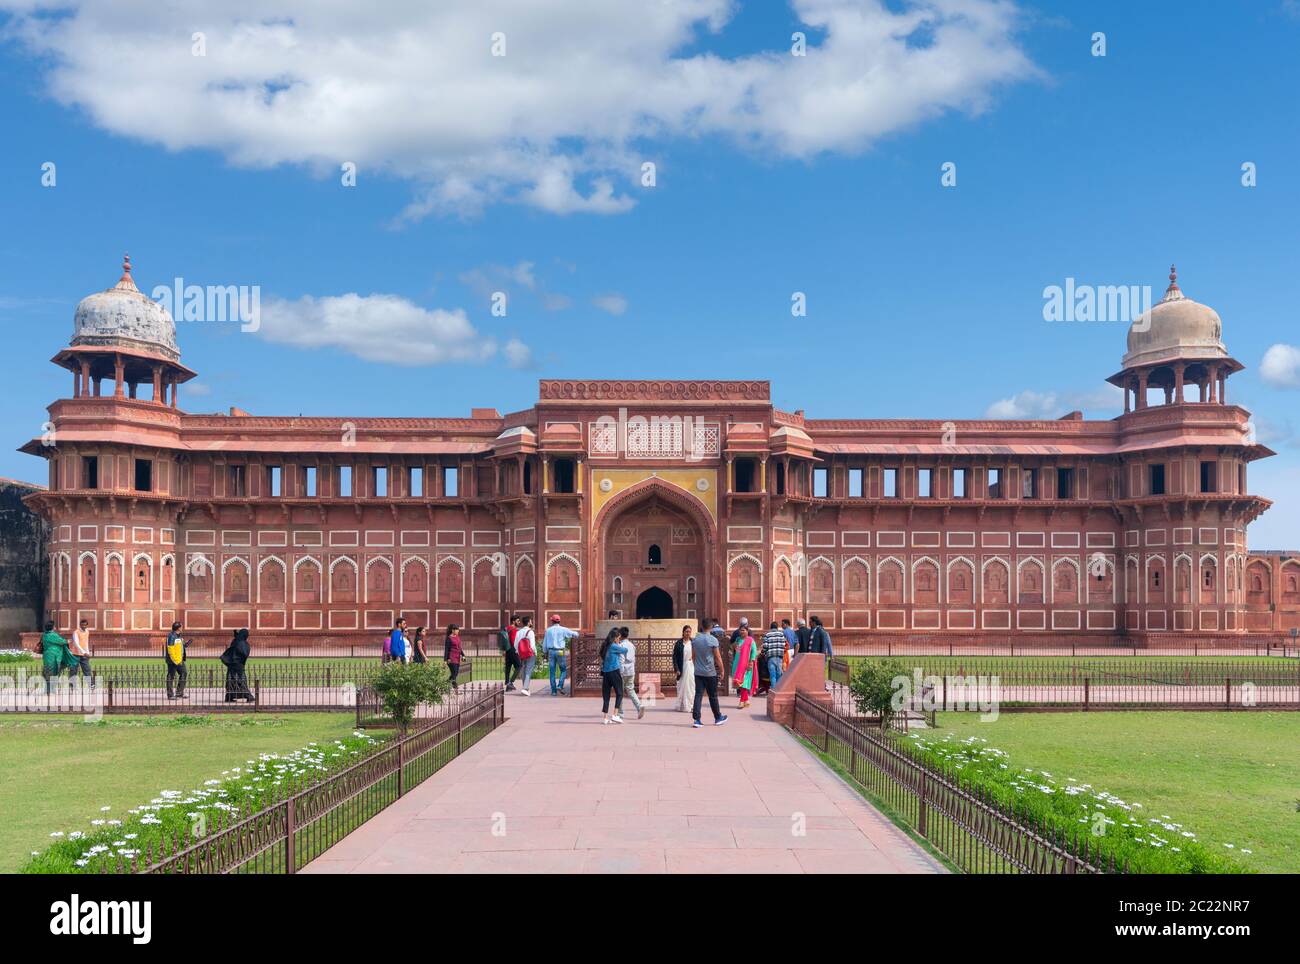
650 796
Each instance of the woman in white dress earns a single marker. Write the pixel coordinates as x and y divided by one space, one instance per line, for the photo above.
686 671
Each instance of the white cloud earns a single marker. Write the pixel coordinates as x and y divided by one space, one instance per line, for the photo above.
585 92
1281 366
1033 405
518 355
613 303
198 388
377 328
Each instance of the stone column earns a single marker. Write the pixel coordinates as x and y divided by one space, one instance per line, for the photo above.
546 475
577 476
174 386
1178 381
1142 390
118 374
157 385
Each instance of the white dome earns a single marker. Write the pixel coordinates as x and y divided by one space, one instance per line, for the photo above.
124 317
1176 327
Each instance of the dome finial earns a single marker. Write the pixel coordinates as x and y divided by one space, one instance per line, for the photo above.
1173 292
126 282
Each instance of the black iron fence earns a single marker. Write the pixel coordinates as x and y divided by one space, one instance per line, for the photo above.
974 832
1131 683
270 687
286 834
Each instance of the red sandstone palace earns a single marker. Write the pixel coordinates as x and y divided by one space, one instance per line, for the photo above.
657 499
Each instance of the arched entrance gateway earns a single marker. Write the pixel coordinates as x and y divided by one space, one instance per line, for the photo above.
654 552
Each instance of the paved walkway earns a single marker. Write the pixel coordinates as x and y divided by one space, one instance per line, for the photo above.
555 791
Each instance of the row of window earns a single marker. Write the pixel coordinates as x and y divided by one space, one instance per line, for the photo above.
564 475
962 479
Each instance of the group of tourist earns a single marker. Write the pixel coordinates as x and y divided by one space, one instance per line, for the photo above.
757 664
518 645
176 654
403 645
73 654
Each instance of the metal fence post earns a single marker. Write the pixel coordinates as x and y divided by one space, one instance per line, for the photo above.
401 765
923 805
1227 693
290 851
1086 686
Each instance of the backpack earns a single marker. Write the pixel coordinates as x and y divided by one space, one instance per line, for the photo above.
524 641
503 641
388 645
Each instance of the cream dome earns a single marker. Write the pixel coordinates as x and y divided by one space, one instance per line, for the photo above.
1176 327
124 317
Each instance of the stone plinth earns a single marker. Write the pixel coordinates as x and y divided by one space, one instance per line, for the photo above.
645 628
806 675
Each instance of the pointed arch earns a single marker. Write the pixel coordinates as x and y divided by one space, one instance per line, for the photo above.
87 577
486 587
307 579
961 584
343 579
449 576
995 581
272 574
236 576
563 579
855 581
925 582
379 580
142 577
1064 586
200 580
1031 575
891 581
414 580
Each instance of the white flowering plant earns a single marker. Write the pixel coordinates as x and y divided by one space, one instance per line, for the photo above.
173 814
1145 842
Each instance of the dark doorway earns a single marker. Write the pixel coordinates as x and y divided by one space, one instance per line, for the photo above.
654 603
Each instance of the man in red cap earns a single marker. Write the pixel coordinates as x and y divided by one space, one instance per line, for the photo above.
557 637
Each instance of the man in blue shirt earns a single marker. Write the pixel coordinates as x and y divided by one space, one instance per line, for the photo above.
397 641
791 637
553 643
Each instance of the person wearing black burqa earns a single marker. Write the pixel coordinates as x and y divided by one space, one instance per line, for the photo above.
234 658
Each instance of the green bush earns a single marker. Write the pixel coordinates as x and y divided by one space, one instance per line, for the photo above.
874 684
401 687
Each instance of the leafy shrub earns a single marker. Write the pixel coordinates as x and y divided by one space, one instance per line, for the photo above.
402 687
873 685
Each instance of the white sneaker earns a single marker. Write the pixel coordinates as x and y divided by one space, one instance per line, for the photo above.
525 693
617 719
607 721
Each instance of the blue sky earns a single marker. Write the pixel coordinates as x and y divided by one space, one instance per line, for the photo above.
923 301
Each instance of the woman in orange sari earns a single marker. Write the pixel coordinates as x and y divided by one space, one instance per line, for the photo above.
744 667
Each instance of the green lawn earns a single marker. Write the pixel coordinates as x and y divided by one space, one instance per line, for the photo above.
1230 777
59 771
